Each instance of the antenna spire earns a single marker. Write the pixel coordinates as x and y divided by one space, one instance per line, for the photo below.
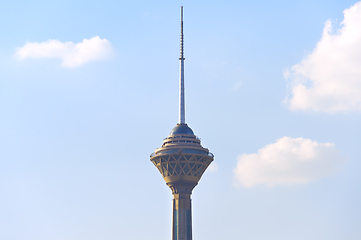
181 75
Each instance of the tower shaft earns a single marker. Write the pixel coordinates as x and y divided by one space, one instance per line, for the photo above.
182 209
182 216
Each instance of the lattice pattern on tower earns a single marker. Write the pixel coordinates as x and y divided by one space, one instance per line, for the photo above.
182 164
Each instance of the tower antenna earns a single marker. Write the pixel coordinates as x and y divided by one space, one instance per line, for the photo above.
181 75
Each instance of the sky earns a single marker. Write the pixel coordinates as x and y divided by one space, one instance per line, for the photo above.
89 89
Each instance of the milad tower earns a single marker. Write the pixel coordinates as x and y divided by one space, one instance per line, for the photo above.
181 160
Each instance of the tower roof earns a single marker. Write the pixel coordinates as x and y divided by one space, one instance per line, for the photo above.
181 129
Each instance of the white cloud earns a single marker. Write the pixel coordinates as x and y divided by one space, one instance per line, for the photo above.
289 161
329 78
71 54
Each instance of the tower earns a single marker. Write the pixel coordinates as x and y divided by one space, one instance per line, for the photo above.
181 160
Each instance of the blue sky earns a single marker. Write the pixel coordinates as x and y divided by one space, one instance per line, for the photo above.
89 89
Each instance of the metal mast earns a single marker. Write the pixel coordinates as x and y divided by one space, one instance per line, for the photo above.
181 75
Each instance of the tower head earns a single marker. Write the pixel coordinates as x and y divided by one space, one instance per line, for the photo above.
181 159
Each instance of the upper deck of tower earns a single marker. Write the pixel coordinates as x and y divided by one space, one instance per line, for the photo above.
181 156
182 139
